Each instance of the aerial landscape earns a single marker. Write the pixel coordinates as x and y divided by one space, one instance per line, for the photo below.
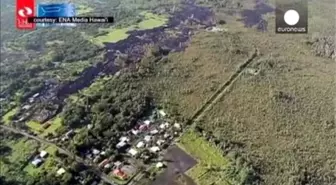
174 92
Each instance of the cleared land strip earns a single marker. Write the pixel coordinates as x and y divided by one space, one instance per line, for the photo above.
78 159
221 91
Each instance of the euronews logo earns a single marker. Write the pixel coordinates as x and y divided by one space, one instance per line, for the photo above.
291 17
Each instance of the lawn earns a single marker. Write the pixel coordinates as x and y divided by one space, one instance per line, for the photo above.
38 128
83 9
35 126
49 165
22 150
6 118
152 21
207 155
56 123
114 35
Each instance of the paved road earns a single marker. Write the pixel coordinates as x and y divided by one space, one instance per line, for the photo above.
94 169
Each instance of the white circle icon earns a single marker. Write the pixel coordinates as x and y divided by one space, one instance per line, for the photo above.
25 12
291 17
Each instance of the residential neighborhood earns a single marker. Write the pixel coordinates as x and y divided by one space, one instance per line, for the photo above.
142 147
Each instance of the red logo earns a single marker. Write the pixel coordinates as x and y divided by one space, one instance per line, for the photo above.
24 9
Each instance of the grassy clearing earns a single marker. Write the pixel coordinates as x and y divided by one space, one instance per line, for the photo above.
83 9
152 20
38 127
189 78
56 123
49 165
283 115
114 35
208 156
7 117
22 150
35 126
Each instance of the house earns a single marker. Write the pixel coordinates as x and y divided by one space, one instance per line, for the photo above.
95 151
60 171
166 135
120 174
118 164
46 125
140 144
97 159
36 95
124 139
160 142
143 127
162 126
153 132
103 163
154 149
37 162
43 154
121 144
159 165
148 138
108 165
162 113
177 126
167 125
135 132
133 152
147 122
89 126
26 107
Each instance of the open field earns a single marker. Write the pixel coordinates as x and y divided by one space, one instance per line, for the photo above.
50 164
83 9
113 35
186 80
6 118
38 127
151 20
283 114
18 157
207 155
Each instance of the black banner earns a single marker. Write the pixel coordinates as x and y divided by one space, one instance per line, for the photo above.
73 20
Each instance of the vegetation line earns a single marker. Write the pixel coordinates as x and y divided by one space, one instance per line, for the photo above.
220 92
71 155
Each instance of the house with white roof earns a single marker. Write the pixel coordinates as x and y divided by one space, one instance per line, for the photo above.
124 139
43 154
37 162
133 152
160 142
155 131
162 126
162 113
140 144
159 165
147 122
95 151
177 126
60 171
148 138
154 149
121 144
135 132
